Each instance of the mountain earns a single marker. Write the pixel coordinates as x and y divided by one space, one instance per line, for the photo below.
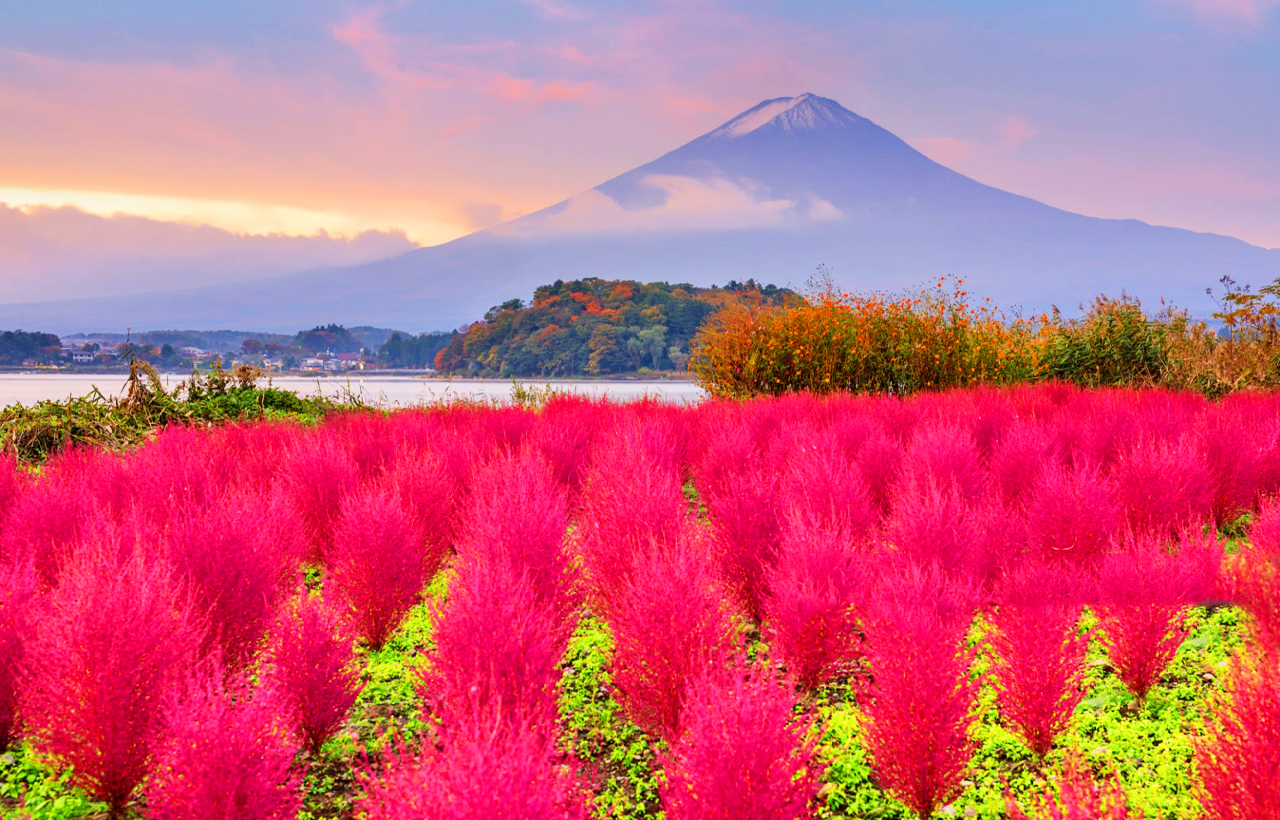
788 185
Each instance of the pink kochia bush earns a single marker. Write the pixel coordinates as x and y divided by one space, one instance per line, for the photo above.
1144 592
1164 487
671 626
319 473
498 644
110 643
236 569
517 513
633 508
1236 757
378 561
18 588
313 669
477 776
1040 654
741 755
225 755
810 608
919 705
1072 513
1077 796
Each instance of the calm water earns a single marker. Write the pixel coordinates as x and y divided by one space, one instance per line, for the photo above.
23 388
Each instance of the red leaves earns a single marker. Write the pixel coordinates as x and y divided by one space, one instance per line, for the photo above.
918 705
1236 759
313 669
1077 796
110 642
225 755
1040 655
741 754
1143 593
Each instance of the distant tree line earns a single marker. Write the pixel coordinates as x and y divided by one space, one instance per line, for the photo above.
595 327
408 351
18 346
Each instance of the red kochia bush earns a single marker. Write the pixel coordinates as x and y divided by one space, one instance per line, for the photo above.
1077 796
319 472
111 640
823 489
747 526
236 566
377 562
428 491
809 610
225 755
314 669
18 586
1236 759
918 706
517 512
671 625
498 644
1163 486
632 509
1039 653
741 754
944 456
477 777
1144 592
1072 513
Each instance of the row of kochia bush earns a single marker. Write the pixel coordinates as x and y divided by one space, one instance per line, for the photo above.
156 635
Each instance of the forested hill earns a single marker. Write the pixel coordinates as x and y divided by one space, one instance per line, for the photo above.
594 327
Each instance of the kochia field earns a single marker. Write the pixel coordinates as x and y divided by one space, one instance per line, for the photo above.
1039 602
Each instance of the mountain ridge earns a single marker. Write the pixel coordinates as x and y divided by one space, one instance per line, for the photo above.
786 185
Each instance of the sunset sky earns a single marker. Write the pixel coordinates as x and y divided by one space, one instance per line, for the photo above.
438 118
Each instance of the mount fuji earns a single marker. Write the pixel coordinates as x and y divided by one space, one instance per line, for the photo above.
790 184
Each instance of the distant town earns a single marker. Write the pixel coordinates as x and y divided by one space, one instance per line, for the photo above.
322 349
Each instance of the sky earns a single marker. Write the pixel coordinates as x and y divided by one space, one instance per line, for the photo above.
349 129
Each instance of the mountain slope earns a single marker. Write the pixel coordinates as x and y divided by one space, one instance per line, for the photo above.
784 187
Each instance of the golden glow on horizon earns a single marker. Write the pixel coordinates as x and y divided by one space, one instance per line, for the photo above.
251 218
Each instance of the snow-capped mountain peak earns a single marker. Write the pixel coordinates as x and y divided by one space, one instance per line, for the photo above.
806 112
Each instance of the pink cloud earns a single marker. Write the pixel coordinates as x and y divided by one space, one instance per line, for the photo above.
558 10
944 150
520 90
1251 12
1015 131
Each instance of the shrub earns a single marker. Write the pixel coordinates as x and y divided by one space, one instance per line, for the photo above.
231 560
632 509
810 618
313 668
1076 796
377 562
1040 655
18 586
823 490
428 492
1144 592
747 528
671 625
1235 758
498 645
564 434
110 642
477 777
224 755
1251 579
1115 343
319 473
742 755
1164 487
517 513
1018 458
918 705
1072 513
47 522
929 523
943 456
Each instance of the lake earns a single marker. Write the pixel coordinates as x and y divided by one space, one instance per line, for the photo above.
29 388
